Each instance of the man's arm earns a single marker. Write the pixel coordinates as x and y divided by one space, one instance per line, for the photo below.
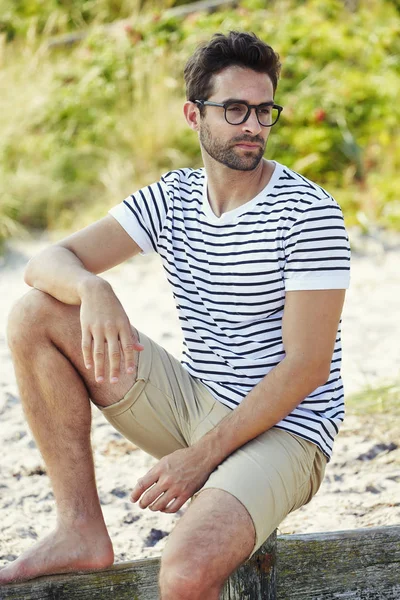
64 269
310 325
68 272
309 329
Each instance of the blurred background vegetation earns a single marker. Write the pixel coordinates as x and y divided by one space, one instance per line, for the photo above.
88 121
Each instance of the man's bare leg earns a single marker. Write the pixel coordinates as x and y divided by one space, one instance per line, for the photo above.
214 536
45 339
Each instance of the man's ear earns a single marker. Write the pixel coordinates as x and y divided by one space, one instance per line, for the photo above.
192 115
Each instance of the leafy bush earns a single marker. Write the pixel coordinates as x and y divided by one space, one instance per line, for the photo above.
84 126
374 401
18 17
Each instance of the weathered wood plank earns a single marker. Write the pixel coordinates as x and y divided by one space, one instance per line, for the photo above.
256 579
135 580
363 564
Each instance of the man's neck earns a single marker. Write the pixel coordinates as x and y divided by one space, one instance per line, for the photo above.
228 189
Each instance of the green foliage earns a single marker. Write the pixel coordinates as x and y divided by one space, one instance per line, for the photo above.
18 17
384 400
85 125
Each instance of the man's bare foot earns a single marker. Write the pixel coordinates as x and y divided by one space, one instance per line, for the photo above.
62 551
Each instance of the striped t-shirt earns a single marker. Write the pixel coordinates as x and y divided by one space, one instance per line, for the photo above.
229 276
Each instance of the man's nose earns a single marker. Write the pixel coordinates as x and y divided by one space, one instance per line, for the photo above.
251 125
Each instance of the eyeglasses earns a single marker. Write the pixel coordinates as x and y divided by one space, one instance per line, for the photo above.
237 113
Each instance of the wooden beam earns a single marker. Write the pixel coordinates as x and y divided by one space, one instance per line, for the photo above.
361 564
358 564
137 580
256 579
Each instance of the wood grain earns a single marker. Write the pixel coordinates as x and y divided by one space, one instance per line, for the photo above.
362 564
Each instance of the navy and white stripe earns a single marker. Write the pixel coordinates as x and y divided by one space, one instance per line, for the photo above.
229 276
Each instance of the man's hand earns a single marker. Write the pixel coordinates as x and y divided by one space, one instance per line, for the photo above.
175 478
106 328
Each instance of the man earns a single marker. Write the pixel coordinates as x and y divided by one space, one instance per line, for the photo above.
258 260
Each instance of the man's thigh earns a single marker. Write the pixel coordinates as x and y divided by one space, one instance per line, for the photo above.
163 406
214 536
270 476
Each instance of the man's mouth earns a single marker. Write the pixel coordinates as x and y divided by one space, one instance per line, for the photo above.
248 146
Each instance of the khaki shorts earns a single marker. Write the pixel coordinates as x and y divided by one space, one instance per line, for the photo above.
167 409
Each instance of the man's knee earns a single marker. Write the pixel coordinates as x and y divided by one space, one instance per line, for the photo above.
27 317
183 578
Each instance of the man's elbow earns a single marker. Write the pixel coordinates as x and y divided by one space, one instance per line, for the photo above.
320 371
35 266
28 273
313 370
323 377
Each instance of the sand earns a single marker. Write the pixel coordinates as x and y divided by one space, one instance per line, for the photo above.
361 487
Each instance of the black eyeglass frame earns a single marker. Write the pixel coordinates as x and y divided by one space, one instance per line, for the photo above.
226 105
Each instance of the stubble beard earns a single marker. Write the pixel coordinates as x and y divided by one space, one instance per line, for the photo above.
226 155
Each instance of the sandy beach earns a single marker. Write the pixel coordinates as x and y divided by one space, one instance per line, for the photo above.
361 487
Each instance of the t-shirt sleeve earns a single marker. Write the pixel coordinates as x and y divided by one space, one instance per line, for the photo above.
143 215
317 249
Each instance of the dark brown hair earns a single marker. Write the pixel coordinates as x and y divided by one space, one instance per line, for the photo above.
222 51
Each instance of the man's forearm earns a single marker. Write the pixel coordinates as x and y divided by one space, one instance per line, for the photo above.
59 273
272 399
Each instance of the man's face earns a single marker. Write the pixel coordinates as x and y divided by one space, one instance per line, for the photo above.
239 147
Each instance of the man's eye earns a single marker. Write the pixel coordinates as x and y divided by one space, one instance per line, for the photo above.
266 110
236 108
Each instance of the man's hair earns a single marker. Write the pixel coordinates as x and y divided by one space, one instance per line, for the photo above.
222 51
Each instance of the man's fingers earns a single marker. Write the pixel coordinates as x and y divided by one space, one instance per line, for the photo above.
173 506
143 484
114 357
87 349
98 355
154 493
110 334
157 500
130 346
119 343
135 340
162 502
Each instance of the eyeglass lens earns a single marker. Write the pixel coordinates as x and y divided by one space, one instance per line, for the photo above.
236 113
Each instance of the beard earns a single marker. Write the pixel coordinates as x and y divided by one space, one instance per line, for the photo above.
226 153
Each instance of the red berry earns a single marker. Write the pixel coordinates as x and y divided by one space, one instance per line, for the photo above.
319 115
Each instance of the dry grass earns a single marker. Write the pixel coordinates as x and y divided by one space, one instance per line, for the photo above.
379 409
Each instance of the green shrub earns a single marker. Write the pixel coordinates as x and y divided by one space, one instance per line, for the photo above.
384 399
86 125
